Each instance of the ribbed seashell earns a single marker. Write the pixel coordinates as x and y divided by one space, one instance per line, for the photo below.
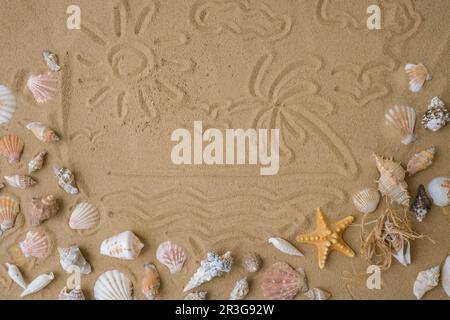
37 162
51 60
403 119
213 266
417 75
436 116
425 281
8 105
317 294
43 87
171 255
72 260
251 262
38 284
151 281
421 204
66 180
74 294
20 181
281 282
439 190
9 209
15 275
42 132
84 216
197 295
446 276
43 209
113 285
285 247
403 254
421 160
122 246
11 147
392 181
240 290
366 200
36 244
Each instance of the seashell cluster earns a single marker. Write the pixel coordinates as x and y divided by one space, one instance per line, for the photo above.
366 200
421 160
74 294
11 147
51 60
281 282
392 181
36 244
9 209
42 132
213 266
113 285
20 181
196 295
43 209
66 180
446 276
172 256
317 294
38 284
417 75
122 246
37 162
84 216
439 189
404 120
425 281
285 247
251 262
436 116
8 105
151 281
72 259
43 87
240 290
421 204
15 275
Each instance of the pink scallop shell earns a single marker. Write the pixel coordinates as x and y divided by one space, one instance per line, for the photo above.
43 87
36 244
172 256
281 282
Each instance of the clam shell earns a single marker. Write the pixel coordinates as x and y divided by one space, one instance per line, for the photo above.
36 244
9 209
37 162
421 160
15 275
403 119
172 256
251 262
439 190
11 147
436 116
74 294
38 284
366 200
317 294
66 180
417 75
43 87
51 60
196 295
42 132
281 282
240 290
113 285
421 204
43 209
84 216
151 281
425 281
8 105
122 246
72 259
20 181
446 276
285 247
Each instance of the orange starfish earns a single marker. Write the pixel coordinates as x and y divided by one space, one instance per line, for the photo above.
328 237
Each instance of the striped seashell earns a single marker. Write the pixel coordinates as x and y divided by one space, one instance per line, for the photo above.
42 132
43 209
125 245
11 147
403 119
51 60
20 181
172 256
38 284
151 282
36 244
281 282
8 105
285 247
366 200
421 204
421 160
417 75
74 294
84 216
9 209
113 285
66 180
37 162
43 87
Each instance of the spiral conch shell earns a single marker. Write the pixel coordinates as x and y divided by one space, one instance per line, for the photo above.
15 275
366 200
281 282
84 216
172 256
392 181
36 244
421 160
20 181
426 280
285 247
72 260
240 290
122 246
8 105
421 204
74 294
37 162
42 132
51 60
9 209
113 285
38 284
151 281
417 75
43 87
403 119
11 147
66 180
43 209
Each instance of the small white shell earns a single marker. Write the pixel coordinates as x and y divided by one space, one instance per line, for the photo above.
172 256
439 190
446 276
417 74
38 284
125 245
15 275
403 119
366 200
43 87
240 290
426 280
317 294
113 285
51 60
285 247
72 259
404 254
8 105
37 162
84 216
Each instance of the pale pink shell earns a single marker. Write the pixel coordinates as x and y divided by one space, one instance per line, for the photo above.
43 87
281 282
36 244
171 255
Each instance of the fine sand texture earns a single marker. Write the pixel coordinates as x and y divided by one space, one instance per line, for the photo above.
139 69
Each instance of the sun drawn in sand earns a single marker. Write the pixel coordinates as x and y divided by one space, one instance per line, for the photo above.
132 72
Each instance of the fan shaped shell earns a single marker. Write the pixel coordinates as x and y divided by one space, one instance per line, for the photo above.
43 87
8 105
403 119
171 255
9 209
84 216
366 200
417 75
11 147
113 285
281 282
36 244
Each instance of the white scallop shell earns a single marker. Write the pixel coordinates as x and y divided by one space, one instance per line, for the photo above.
446 276
125 245
8 105
113 285
43 87
426 280
36 244
439 190
285 247
240 290
38 284
171 255
403 119
15 275
84 216
417 74
366 200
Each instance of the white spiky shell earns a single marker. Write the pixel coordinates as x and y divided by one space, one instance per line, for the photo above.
366 200
36 244
51 60
113 285
403 118
72 260
446 276
425 281
39 283
15 275
421 160
439 190
317 294
125 245
240 290
84 216
417 75
43 87
20 181
172 256
285 247
8 105
9 209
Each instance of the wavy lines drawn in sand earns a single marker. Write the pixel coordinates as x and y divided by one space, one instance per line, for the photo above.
363 84
133 74
337 17
86 133
249 19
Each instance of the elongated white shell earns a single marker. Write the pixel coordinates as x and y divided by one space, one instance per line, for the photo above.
240 290
172 256
113 285
417 74
285 247
38 284
446 276
84 216
366 200
8 105
403 119
426 280
43 87
439 190
15 275
123 246
404 254
72 260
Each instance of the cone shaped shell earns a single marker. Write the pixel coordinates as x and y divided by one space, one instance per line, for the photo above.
113 285
122 246
84 216
11 147
15 275
42 132
36 244
150 282
43 87
366 200
38 284
20 181
66 180
421 160
72 260
9 209
8 105
37 162
285 247
171 255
